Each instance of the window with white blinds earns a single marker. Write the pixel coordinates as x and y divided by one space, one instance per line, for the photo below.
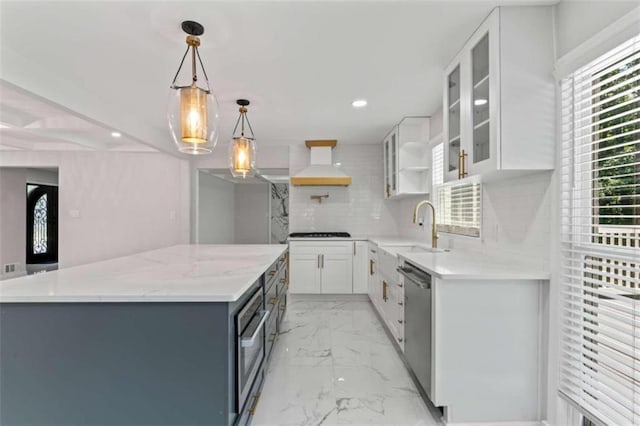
600 184
458 207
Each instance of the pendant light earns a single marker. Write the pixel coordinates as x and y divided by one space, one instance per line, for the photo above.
242 149
193 110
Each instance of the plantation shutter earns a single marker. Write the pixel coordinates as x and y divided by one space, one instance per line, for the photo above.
600 203
459 209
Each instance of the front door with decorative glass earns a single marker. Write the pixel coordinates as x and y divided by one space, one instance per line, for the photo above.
42 224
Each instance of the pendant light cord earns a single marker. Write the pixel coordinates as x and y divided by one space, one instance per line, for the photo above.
173 83
194 77
242 116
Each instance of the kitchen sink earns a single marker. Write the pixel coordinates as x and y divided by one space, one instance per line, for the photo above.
422 249
394 250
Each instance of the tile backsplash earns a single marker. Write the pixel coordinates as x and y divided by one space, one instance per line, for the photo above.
359 209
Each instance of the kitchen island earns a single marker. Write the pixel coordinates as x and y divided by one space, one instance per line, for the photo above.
152 338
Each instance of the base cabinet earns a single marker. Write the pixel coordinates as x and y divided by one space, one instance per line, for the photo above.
360 267
321 268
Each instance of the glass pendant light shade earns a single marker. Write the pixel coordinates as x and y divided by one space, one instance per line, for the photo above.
193 119
242 149
193 111
242 157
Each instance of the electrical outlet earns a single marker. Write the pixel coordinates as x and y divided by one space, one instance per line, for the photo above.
9 268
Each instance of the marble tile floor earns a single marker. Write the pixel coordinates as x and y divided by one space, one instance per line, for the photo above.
334 364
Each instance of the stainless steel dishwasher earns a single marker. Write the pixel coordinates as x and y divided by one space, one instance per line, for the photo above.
417 316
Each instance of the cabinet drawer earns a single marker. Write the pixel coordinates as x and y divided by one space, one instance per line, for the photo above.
252 401
388 264
271 333
271 299
328 247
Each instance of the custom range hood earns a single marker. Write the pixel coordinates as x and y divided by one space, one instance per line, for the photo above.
321 171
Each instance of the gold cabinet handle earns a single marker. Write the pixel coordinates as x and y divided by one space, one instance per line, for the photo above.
388 190
400 339
400 285
272 273
400 303
401 322
283 307
384 290
283 280
462 170
371 266
274 337
273 300
252 410
354 248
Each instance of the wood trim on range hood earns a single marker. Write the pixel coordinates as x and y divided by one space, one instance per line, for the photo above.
321 181
321 171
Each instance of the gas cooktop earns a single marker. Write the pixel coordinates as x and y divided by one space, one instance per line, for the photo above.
319 235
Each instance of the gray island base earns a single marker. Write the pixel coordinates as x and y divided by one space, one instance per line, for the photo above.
138 363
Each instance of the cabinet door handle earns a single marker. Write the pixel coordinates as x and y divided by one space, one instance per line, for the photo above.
400 303
283 280
273 300
400 285
401 322
400 339
462 172
388 190
354 248
252 410
370 266
384 290
322 260
318 261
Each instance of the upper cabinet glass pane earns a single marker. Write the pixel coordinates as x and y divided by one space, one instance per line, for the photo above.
480 73
454 118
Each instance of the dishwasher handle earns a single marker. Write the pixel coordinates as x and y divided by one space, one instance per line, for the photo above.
423 282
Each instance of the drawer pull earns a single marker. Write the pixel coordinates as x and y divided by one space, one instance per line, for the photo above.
400 303
401 322
283 280
252 410
274 337
272 273
273 300
400 285
400 339
283 307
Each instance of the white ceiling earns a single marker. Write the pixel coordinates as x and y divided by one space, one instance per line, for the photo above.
30 123
301 63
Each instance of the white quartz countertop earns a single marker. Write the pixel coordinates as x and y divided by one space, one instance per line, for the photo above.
379 240
182 273
456 265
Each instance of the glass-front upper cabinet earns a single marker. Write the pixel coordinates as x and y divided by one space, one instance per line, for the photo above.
454 117
391 163
499 97
480 70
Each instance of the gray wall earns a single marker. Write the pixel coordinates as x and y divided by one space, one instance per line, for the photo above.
13 220
252 213
216 208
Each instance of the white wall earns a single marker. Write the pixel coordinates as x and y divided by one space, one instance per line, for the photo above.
252 213
42 176
359 209
113 203
577 21
216 210
13 220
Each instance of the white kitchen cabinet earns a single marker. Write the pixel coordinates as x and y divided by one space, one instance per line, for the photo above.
407 158
360 265
321 267
306 270
372 274
484 333
499 97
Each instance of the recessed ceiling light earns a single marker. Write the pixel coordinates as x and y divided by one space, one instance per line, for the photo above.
359 103
116 134
479 102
